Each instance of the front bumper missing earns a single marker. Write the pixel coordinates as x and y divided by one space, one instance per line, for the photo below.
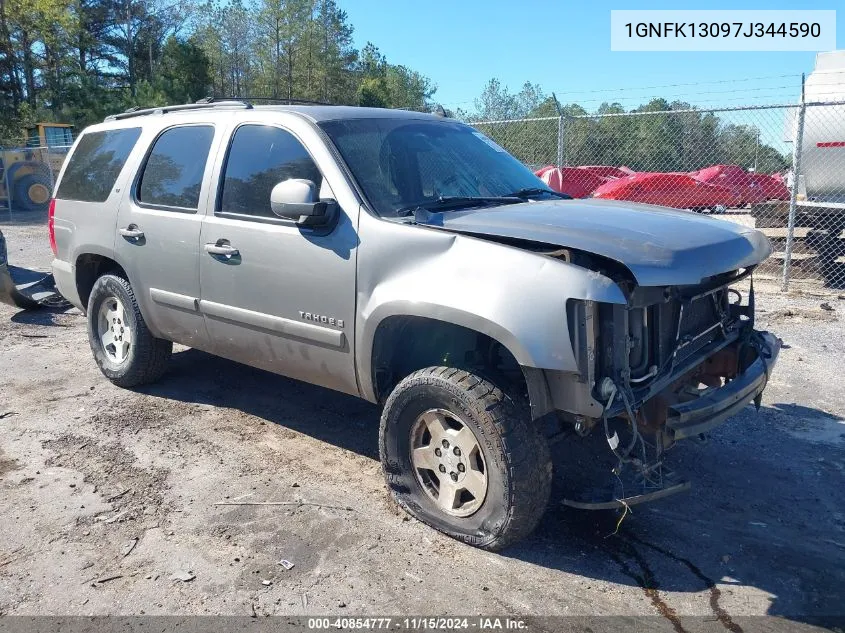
701 415
692 418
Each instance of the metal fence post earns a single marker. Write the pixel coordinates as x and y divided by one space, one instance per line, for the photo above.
559 162
560 141
48 160
8 191
796 171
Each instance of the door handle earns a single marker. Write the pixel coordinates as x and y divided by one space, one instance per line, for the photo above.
221 247
132 232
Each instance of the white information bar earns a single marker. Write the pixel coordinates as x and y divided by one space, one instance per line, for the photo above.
722 30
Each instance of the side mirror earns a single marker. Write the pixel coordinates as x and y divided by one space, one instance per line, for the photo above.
298 200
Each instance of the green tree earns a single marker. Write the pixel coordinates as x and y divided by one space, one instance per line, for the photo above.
184 72
80 60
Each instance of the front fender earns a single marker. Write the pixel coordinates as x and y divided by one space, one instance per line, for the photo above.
514 296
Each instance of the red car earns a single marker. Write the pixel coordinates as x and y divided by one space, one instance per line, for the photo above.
575 182
677 190
771 187
606 171
735 178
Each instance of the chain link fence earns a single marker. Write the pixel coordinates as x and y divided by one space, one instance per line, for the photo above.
27 176
778 168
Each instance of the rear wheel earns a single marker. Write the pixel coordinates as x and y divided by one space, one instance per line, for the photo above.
459 455
125 350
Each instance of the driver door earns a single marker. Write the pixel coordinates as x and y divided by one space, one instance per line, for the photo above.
276 295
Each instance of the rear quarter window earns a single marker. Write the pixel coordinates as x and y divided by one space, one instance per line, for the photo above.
172 175
96 163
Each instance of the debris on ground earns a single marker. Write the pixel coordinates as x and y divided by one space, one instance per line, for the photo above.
115 517
128 546
184 576
118 495
105 579
297 504
823 314
286 564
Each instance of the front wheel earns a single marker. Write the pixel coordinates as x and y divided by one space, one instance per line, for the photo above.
125 350
459 455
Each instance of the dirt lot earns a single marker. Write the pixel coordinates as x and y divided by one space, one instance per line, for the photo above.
109 495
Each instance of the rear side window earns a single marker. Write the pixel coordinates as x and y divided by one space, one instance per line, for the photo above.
96 163
172 175
260 157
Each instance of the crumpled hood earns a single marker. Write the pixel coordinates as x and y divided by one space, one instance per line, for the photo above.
660 246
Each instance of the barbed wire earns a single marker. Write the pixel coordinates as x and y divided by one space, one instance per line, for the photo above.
675 85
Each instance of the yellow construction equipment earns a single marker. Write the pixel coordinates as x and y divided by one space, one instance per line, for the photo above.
26 174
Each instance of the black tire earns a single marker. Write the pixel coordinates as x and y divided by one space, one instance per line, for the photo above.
22 200
516 456
147 357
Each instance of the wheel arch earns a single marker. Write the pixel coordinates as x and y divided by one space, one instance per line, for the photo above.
403 343
90 266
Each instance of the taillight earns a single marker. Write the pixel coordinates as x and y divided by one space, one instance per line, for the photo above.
51 226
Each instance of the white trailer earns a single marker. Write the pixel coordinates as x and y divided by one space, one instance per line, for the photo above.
823 147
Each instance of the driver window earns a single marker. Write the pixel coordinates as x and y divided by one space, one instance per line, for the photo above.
261 156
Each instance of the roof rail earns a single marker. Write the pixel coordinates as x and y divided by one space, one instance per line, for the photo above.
285 101
203 104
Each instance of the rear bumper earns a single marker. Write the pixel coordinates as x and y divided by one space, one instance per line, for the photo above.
66 282
689 419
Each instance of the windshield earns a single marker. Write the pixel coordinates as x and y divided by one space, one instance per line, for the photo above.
404 163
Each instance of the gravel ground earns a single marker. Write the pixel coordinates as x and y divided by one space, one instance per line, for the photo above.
109 496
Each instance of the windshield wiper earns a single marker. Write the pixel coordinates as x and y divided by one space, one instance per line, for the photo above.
447 203
536 191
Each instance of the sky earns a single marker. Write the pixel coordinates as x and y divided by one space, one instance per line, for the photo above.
565 47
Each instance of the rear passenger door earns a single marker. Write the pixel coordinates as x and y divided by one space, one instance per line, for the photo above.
284 298
158 230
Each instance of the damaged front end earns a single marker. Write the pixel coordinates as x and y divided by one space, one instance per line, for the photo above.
672 363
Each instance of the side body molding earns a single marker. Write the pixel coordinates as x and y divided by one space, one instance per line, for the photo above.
249 318
262 321
174 300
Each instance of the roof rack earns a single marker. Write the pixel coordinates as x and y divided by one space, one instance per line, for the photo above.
202 104
285 101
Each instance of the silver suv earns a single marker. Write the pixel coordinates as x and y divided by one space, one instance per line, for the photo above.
408 259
